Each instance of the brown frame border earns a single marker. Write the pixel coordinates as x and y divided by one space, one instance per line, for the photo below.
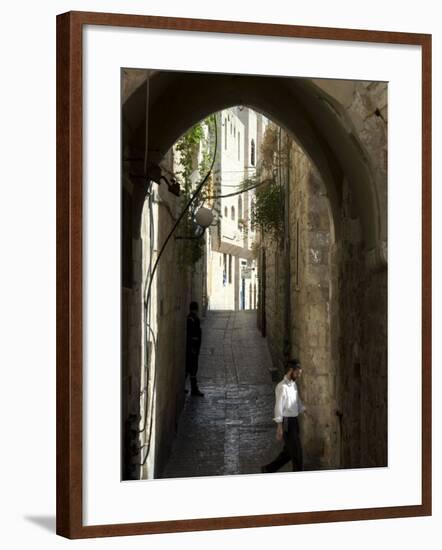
69 273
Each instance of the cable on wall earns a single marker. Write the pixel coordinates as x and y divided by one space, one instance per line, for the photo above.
149 280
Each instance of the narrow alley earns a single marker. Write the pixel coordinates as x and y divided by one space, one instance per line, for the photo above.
229 430
281 221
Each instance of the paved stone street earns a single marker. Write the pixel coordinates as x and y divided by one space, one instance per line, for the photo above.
229 430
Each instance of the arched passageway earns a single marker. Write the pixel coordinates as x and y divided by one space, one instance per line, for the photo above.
315 119
352 174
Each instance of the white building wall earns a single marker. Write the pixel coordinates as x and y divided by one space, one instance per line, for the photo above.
248 273
221 292
240 138
232 174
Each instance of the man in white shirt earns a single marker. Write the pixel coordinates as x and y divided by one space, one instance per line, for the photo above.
288 406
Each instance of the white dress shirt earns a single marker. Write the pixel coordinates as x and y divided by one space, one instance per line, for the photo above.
287 401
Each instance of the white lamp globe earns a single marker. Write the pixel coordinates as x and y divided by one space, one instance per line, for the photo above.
204 217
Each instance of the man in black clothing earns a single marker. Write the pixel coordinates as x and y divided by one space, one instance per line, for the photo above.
193 345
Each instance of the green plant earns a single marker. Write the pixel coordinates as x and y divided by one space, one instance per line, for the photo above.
269 146
194 156
255 248
268 210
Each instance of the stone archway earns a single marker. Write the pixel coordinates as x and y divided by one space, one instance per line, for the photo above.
331 135
323 128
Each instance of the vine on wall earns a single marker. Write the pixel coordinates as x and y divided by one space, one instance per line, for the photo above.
195 153
267 210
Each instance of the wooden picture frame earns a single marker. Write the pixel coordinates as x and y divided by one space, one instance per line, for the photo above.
70 269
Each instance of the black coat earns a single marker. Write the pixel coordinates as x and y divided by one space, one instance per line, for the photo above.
193 335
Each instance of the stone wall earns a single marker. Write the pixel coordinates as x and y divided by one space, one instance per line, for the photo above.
275 304
362 106
363 299
338 297
173 298
334 316
313 333
153 368
298 300
362 396
131 349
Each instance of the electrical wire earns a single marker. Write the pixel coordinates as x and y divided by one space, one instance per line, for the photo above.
149 280
180 217
146 127
239 192
251 167
147 319
145 390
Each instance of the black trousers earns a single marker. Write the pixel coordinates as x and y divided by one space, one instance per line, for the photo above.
192 369
192 363
292 449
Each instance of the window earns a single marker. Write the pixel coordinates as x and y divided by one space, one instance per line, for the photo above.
233 212
226 212
252 153
224 269
239 146
225 134
230 268
239 208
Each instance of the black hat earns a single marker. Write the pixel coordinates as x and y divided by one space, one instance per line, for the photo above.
293 364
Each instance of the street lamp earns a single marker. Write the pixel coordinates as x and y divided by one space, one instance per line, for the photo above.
203 219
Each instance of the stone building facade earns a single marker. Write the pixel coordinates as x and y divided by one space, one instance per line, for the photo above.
326 303
152 395
232 281
298 303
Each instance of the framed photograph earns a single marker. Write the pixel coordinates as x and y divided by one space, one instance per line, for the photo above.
243 274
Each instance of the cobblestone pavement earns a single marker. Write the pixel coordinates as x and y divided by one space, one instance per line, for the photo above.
229 430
